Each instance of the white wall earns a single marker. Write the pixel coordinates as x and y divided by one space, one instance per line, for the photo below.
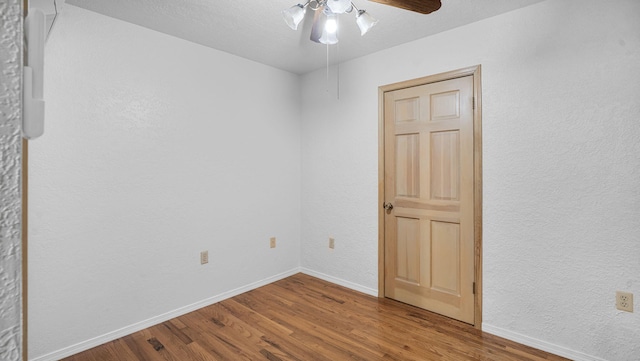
561 168
10 181
151 155
155 149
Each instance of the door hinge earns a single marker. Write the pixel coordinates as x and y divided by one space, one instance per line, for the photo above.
474 288
473 102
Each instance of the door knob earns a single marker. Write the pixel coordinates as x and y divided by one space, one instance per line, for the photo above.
387 205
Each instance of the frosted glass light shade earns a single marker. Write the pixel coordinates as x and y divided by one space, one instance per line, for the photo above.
328 38
339 6
365 22
329 33
331 25
294 15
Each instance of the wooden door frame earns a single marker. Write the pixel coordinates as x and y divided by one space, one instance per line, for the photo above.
477 174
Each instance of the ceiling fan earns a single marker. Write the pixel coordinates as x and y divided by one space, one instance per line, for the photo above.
419 6
325 24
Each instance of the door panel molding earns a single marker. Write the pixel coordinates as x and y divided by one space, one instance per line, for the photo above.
475 72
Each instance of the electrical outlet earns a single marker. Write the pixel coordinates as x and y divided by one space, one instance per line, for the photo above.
272 242
204 257
624 301
332 243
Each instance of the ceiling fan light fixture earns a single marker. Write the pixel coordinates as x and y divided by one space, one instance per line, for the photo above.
339 6
293 16
325 20
365 21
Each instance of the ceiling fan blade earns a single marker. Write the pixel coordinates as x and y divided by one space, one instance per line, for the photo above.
318 25
419 6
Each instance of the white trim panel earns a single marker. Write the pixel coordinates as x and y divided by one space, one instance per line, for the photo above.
341 282
113 335
539 344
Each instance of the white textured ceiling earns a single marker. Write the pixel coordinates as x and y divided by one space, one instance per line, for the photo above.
255 29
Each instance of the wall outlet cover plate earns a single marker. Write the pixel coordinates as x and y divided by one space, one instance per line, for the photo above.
624 301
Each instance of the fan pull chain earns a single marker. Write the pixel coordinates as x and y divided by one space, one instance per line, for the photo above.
327 86
338 70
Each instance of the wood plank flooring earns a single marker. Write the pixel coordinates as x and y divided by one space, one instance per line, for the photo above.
304 318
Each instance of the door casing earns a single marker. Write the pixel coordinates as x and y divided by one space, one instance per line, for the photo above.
474 71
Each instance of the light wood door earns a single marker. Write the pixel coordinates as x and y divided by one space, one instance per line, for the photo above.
429 170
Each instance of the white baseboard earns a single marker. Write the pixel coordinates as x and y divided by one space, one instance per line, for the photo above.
539 344
341 282
113 335
97 341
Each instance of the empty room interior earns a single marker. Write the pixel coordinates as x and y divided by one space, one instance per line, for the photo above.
188 160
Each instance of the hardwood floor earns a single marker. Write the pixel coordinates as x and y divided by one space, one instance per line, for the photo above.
304 318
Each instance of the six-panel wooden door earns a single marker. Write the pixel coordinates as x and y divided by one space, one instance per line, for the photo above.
429 196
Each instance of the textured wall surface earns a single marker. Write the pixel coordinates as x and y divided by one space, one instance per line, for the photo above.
561 140
10 168
155 149
153 153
